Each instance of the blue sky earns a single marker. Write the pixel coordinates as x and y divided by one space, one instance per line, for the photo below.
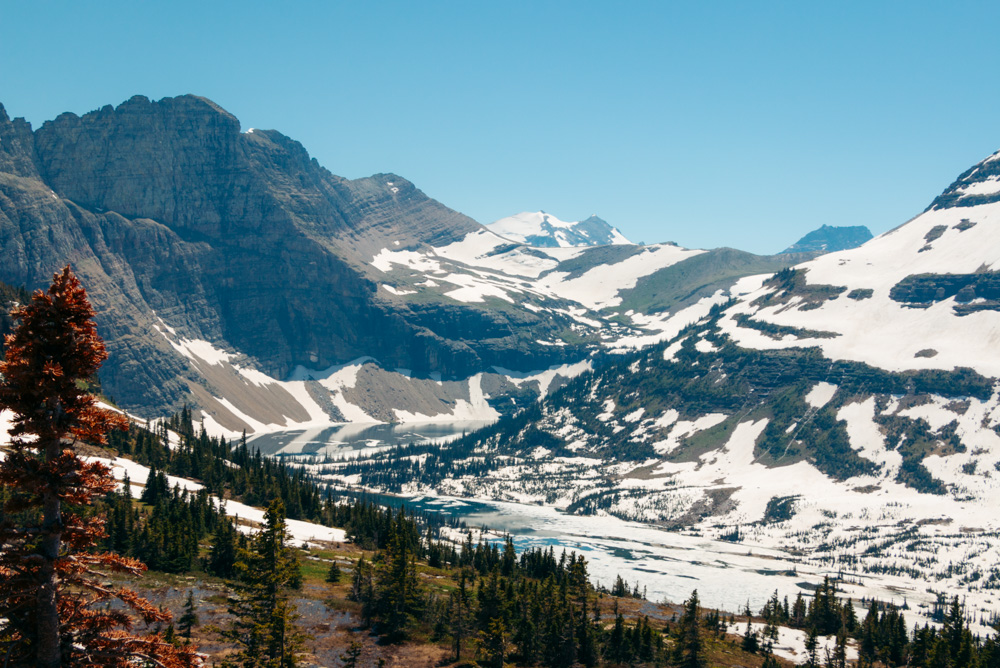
709 124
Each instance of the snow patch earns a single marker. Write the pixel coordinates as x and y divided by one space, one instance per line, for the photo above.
820 394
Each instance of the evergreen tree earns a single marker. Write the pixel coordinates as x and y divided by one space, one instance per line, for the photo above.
495 642
350 659
812 649
838 659
189 619
750 642
363 588
333 573
171 635
56 611
398 593
615 650
690 649
222 555
460 614
798 614
263 617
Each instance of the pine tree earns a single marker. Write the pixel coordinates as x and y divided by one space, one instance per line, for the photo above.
363 588
690 650
52 593
189 619
398 593
460 614
350 659
750 642
812 649
333 574
222 555
495 643
263 623
839 657
615 650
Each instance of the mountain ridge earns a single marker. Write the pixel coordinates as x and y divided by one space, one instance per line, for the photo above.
544 230
829 239
222 262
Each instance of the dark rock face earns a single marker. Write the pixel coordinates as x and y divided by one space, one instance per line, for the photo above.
828 239
963 191
972 292
172 216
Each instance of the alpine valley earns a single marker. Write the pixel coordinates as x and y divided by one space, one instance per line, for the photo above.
837 411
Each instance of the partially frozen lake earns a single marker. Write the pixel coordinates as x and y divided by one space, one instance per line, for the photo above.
668 564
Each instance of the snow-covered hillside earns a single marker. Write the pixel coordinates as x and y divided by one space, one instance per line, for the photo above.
890 302
845 411
537 228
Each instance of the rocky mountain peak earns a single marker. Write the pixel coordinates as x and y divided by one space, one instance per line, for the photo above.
980 184
829 239
17 148
179 161
544 230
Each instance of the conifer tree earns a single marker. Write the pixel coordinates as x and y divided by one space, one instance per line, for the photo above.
263 623
690 650
751 642
615 650
350 659
460 614
222 555
495 643
53 594
363 587
189 619
333 574
398 594
812 649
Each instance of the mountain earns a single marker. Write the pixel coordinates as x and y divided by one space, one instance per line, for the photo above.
546 231
828 239
234 274
186 229
844 412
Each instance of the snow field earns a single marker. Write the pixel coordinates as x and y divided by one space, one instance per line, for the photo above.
883 332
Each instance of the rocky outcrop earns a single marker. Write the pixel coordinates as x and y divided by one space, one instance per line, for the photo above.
980 184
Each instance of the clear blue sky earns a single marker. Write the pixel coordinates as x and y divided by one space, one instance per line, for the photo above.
740 124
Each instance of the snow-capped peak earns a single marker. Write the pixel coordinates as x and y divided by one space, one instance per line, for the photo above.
537 228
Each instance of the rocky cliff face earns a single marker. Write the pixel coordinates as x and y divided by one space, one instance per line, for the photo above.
176 219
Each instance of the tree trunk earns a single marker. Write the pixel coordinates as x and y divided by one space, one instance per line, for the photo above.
49 654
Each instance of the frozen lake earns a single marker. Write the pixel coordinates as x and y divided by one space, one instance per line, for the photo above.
669 564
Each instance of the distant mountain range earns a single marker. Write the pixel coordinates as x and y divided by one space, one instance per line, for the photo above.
234 273
543 230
